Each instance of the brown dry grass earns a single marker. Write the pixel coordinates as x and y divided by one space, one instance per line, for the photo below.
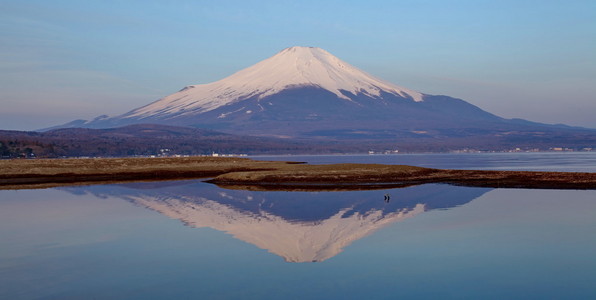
358 175
60 171
111 165
263 175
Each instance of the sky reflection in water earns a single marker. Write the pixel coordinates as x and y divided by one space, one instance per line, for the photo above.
113 242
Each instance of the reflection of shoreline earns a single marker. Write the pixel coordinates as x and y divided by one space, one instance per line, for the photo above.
314 187
298 226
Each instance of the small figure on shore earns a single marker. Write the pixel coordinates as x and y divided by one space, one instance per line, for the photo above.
387 197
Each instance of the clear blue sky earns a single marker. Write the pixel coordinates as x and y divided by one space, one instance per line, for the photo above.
65 60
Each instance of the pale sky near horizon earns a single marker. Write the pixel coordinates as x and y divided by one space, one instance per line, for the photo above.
66 60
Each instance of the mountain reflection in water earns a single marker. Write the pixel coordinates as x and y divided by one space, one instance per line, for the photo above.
298 226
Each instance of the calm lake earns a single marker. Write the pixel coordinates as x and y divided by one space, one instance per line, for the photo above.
193 240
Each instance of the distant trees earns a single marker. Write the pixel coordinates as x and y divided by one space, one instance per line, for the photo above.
139 140
4 151
17 148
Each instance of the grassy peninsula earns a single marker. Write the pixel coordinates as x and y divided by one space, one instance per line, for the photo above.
31 173
231 172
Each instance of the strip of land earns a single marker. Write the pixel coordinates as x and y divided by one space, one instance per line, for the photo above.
374 175
243 173
43 173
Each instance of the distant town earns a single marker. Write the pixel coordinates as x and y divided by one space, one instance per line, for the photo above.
29 154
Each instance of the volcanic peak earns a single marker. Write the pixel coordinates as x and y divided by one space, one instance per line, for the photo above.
290 68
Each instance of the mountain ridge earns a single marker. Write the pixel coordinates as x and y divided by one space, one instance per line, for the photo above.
291 67
307 93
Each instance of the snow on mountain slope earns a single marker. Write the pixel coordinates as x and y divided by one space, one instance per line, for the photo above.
292 67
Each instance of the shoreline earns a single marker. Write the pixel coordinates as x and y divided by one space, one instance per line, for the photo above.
245 173
360 175
20 173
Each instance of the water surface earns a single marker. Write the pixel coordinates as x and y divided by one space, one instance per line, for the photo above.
192 240
529 161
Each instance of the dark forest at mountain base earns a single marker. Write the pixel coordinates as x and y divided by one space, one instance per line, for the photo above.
162 140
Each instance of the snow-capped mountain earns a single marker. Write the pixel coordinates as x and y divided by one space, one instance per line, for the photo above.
308 93
291 68
301 92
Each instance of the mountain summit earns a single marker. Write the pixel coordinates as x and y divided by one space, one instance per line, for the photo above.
306 92
291 68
